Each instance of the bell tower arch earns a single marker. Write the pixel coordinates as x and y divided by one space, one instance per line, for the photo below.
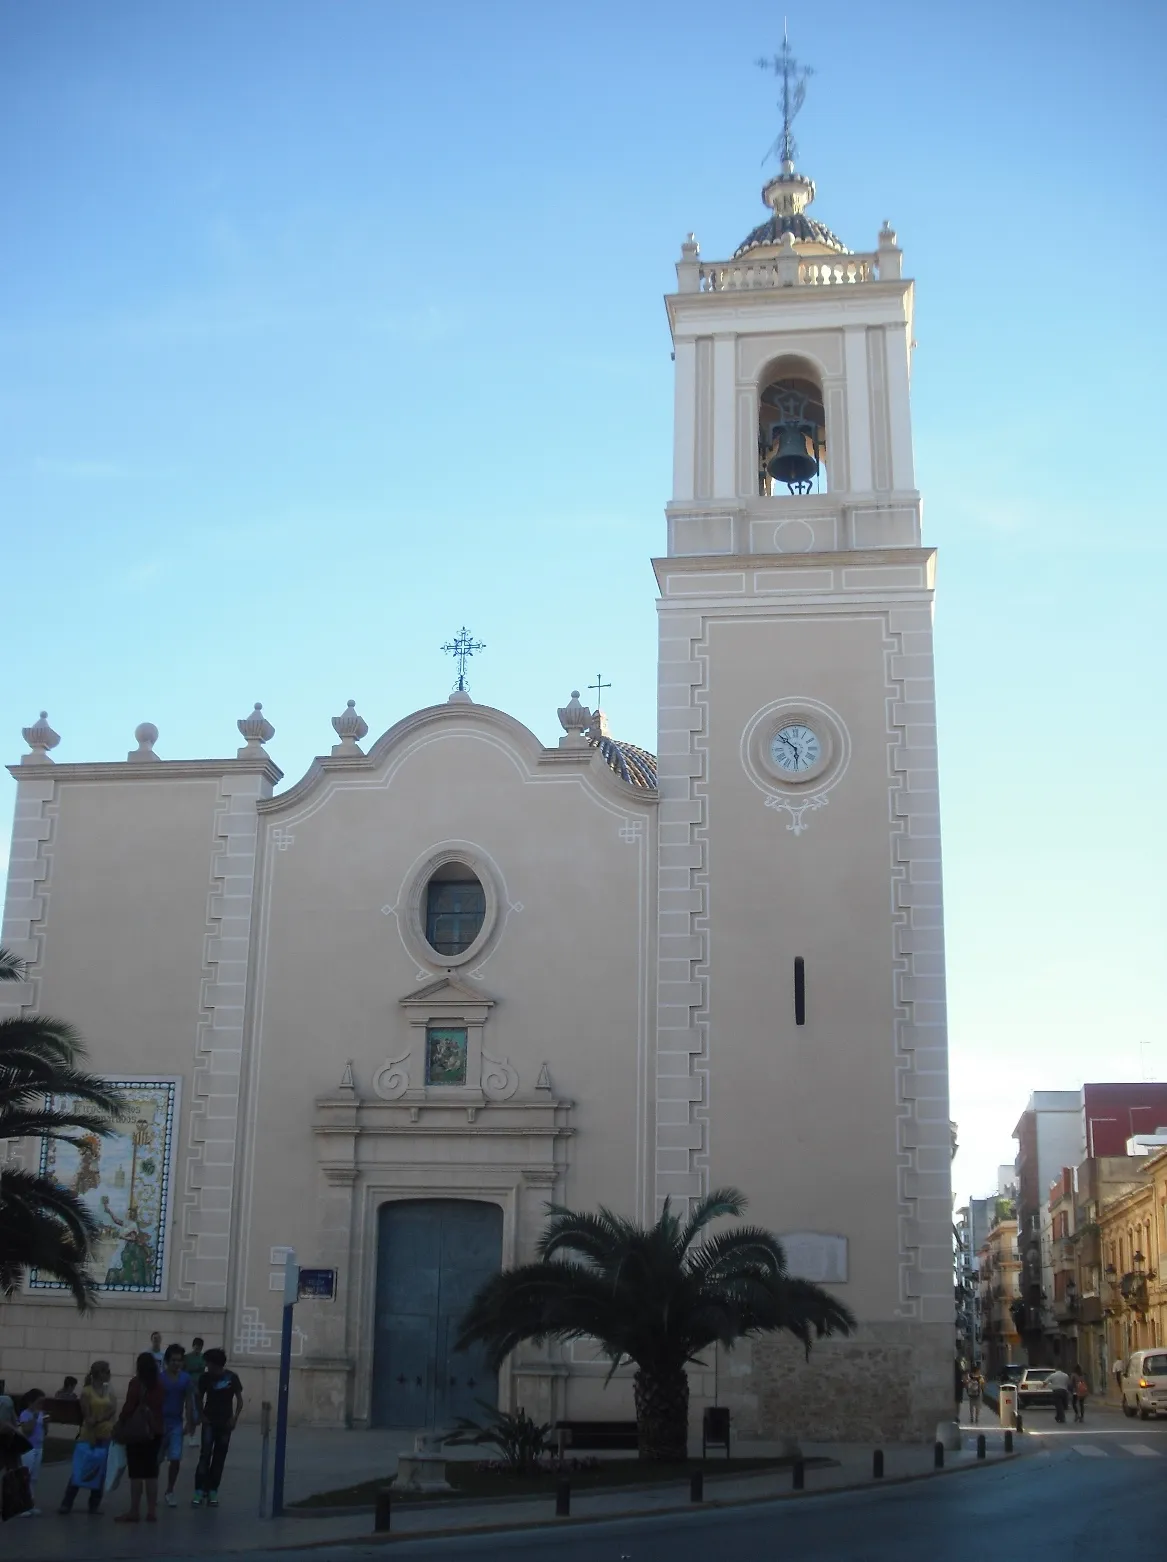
801 1051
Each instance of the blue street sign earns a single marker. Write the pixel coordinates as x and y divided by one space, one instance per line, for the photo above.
319 1284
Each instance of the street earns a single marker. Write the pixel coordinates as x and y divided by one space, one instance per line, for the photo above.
1078 1493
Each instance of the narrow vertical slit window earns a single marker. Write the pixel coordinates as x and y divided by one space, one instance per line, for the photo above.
799 990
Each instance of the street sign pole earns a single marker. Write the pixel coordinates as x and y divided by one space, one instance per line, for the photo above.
291 1291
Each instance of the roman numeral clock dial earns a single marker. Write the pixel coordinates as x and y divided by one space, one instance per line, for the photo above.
795 749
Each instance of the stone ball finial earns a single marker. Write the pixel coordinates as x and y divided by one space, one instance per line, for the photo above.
349 728
40 738
257 730
146 734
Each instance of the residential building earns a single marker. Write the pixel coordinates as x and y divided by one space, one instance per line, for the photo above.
1000 1287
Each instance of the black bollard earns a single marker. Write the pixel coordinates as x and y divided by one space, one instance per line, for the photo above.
877 1464
799 1475
697 1486
981 1446
938 1456
1008 1442
563 1499
382 1512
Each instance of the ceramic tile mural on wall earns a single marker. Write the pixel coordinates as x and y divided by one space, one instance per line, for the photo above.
124 1182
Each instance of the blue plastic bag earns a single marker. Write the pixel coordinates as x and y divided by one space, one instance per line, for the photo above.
89 1466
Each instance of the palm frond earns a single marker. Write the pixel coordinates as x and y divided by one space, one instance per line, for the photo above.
11 967
714 1206
46 1227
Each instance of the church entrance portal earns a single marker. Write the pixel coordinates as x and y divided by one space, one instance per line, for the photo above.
432 1256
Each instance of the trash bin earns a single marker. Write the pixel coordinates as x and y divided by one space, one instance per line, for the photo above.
1007 1405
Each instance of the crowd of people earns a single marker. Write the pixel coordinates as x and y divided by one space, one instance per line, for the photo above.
175 1399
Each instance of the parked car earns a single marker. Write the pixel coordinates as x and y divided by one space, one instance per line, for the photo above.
1144 1384
1031 1390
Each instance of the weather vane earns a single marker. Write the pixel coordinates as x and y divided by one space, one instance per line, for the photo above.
794 78
599 686
462 647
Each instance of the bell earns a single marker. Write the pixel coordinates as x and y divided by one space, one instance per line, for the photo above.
793 461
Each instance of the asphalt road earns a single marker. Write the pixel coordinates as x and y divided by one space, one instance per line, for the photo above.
1079 1494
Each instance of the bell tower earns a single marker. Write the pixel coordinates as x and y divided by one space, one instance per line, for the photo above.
801 1051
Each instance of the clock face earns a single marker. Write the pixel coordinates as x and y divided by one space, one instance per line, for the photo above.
795 749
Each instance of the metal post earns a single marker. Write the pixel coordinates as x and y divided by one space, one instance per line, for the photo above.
981 1446
799 1475
264 1440
1008 1442
563 1499
291 1287
877 1464
938 1456
383 1511
697 1486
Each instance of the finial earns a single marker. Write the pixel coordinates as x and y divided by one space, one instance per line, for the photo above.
599 686
146 734
40 738
349 728
794 78
347 1079
575 719
598 726
257 730
462 647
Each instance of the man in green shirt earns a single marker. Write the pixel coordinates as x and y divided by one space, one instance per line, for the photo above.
195 1364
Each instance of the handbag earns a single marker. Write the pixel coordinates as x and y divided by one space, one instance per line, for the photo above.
15 1494
115 1466
137 1427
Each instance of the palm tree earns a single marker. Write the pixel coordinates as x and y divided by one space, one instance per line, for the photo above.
42 1224
653 1296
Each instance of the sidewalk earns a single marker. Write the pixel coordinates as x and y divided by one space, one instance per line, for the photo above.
320 1460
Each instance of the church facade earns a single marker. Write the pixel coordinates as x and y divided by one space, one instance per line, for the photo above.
382 1016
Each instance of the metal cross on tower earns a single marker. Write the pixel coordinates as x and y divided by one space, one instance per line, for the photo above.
794 78
599 686
462 647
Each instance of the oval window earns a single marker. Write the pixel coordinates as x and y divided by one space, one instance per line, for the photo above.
455 906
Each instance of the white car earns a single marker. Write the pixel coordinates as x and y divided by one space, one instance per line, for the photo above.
1144 1384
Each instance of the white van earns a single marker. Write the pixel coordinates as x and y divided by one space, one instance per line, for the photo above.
1144 1384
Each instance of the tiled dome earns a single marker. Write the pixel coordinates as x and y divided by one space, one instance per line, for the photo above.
805 229
634 765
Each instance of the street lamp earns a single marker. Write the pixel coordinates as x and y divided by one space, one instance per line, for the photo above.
1139 1261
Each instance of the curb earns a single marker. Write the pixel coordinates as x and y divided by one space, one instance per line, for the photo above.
549 1522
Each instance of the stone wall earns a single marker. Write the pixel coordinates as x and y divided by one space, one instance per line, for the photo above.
888 1383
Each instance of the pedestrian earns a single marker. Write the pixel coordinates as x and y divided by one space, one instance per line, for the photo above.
195 1363
974 1387
32 1421
156 1348
67 1390
1079 1389
139 1427
179 1414
7 1408
91 1450
1059 1386
220 1404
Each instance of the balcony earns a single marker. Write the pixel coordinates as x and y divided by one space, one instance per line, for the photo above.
1090 1308
1089 1247
1134 1291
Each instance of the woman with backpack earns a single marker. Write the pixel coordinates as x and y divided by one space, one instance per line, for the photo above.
139 1428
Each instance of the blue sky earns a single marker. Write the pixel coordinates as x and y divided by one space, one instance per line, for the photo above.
326 328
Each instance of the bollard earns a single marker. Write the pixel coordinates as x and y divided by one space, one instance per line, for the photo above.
1008 1442
938 1456
563 1500
799 1475
382 1512
697 1486
877 1464
981 1446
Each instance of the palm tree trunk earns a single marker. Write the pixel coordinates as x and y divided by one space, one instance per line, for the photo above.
662 1415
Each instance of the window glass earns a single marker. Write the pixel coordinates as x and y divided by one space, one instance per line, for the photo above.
1155 1366
454 911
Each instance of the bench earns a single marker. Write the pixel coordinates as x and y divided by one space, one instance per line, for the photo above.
596 1436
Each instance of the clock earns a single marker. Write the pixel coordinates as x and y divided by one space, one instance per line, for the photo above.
796 749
